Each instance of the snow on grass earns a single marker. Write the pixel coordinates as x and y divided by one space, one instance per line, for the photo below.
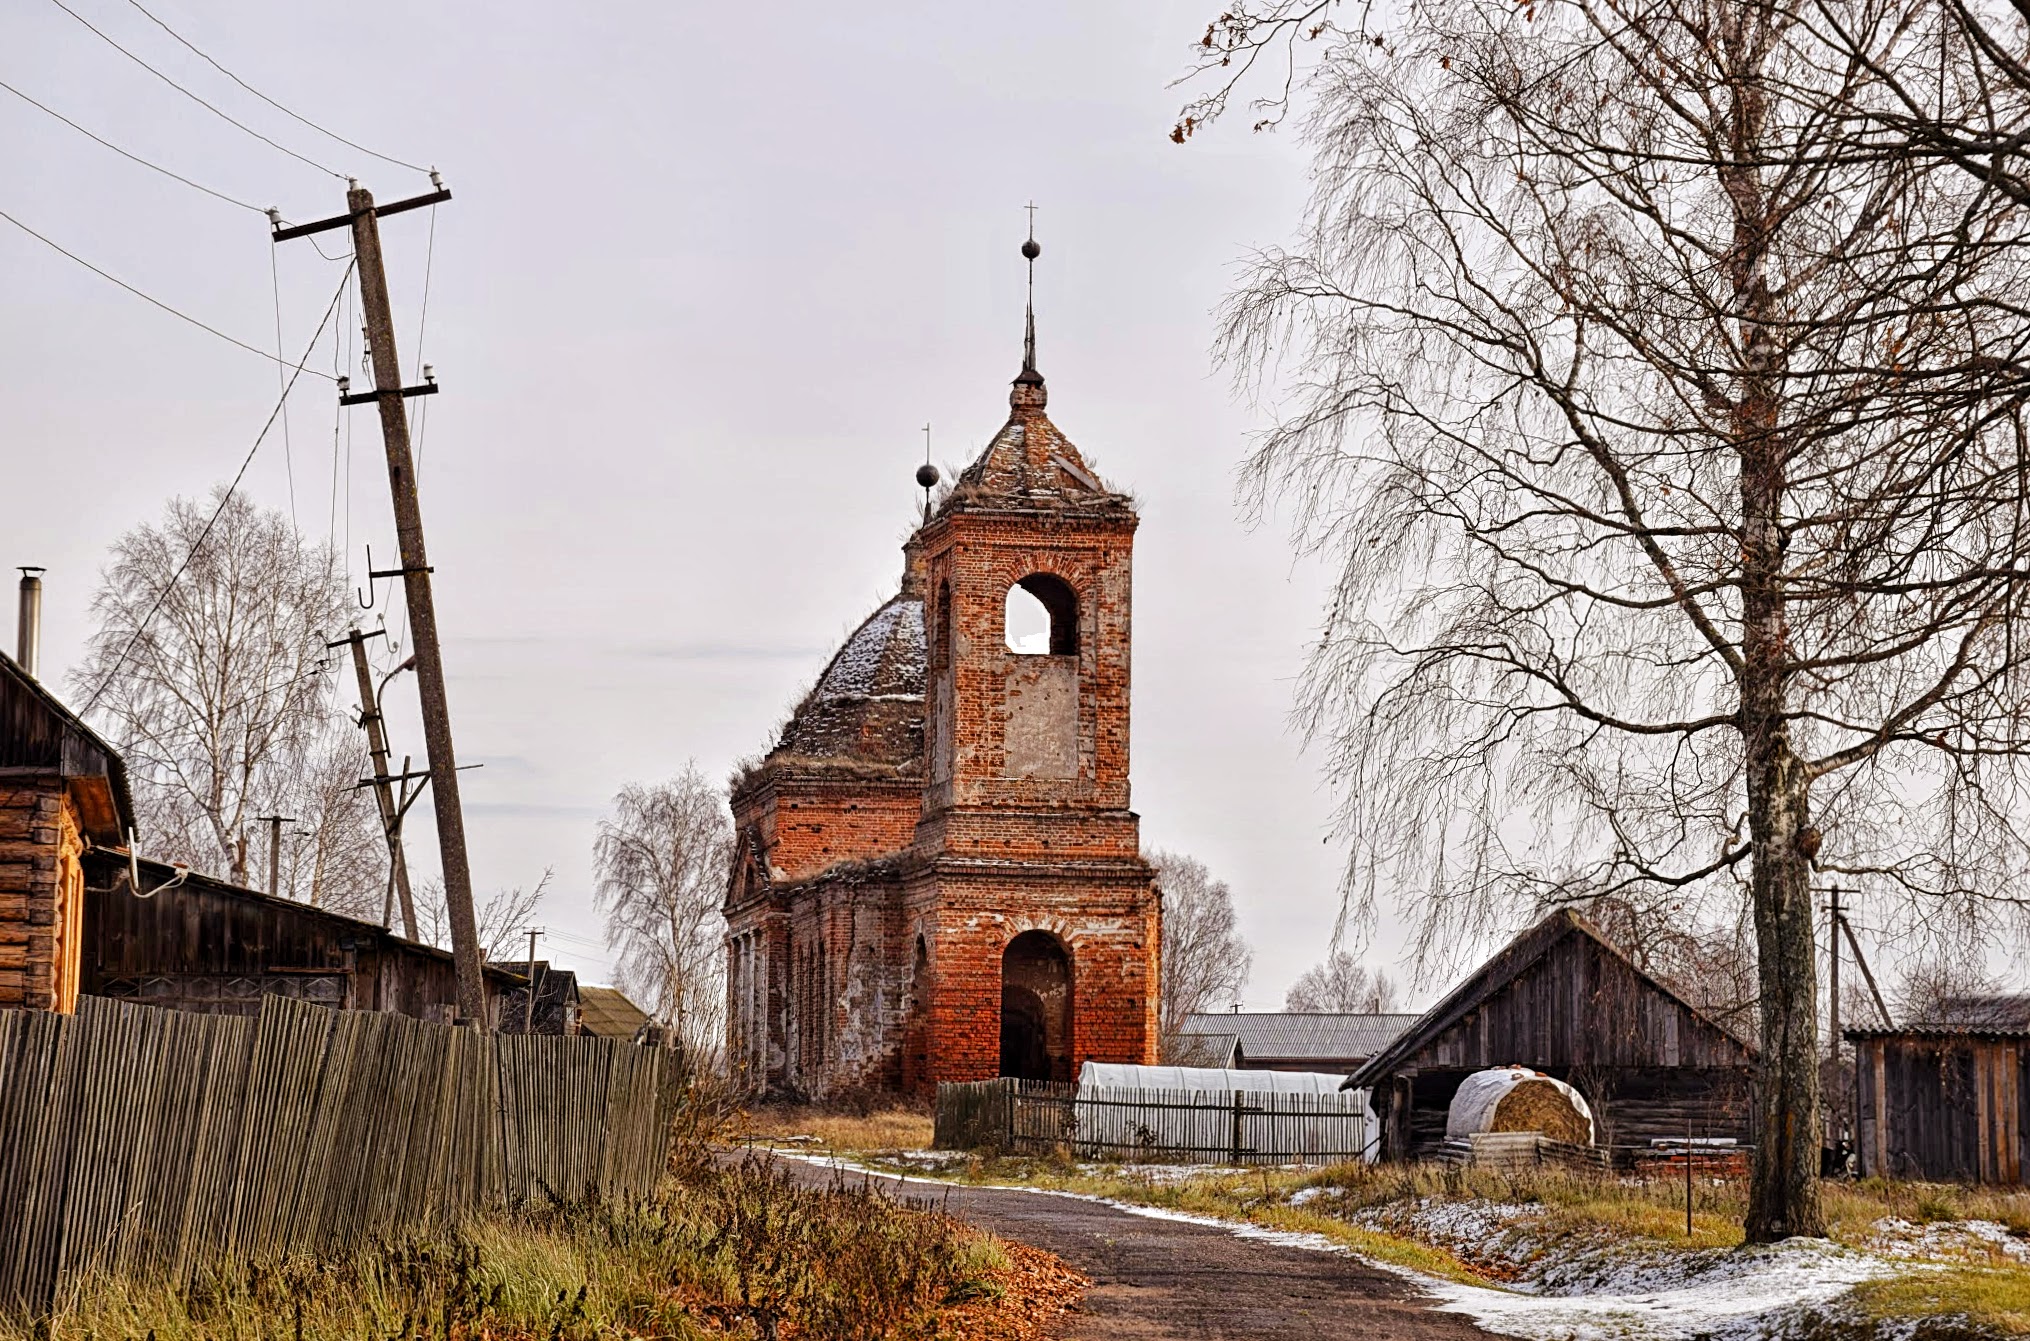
1979 1240
1716 1293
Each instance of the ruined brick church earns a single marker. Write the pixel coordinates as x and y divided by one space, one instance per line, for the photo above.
938 876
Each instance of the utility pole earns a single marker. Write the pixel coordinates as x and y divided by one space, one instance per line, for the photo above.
1861 962
275 823
363 218
529 1015
377 746
1833 924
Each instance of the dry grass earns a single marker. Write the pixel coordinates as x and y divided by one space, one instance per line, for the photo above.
882 1129
1994 1300
726 1250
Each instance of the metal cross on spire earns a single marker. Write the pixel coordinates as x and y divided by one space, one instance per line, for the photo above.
1031 251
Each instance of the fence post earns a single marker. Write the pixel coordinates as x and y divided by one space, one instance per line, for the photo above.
1237 1125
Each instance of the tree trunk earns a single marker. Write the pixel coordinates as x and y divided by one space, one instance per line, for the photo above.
1784 1197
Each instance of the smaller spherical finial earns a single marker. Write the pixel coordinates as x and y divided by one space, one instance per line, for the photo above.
1032 249
926 476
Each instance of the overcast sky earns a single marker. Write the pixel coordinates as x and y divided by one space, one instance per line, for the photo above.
706 275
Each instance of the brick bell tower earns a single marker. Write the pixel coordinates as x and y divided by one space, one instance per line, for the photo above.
1036 920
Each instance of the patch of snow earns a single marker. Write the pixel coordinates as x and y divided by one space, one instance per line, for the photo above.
1978 1239
1304 1196
894 631
1745 1293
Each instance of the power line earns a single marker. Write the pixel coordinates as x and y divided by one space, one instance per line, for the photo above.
182 316
153 167
270 101
120 663
215 111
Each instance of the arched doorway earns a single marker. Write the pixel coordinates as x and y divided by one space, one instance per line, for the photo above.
1036 1008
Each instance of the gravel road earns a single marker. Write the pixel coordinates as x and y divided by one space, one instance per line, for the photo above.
1155 1278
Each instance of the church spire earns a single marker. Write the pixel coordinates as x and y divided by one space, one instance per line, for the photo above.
1029 392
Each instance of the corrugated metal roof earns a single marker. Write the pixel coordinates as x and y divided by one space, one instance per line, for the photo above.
1195 1049
1290 1035
2001 1011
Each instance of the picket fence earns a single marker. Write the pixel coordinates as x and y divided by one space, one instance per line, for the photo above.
1027 1117
149 1143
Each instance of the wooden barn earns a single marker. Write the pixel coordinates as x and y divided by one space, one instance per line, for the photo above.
1563 1000
1943 1101
202 944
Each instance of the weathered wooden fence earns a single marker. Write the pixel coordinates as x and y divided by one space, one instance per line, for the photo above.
150 1142
1151 1126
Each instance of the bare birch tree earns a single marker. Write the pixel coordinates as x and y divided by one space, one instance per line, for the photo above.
503 919
1205 960
1645 401
1343 985
223 701
661 859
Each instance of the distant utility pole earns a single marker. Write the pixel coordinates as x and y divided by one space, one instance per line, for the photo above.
363 218
529 1015
384 792
275 823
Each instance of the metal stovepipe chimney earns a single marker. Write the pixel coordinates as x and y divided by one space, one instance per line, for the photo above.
28 632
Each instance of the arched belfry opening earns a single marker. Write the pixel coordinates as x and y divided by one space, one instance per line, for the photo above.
1042 617
1036 1003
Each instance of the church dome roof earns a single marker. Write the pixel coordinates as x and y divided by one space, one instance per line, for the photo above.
868 705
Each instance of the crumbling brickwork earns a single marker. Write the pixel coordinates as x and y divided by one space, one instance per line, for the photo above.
939 876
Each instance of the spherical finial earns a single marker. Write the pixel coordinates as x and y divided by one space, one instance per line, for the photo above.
1031 249
926 476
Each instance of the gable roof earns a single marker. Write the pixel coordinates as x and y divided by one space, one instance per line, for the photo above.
1508 964
37 731
607 1012
1299 1035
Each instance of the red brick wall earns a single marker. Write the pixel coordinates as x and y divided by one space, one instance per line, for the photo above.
1107 922
810 825
976 557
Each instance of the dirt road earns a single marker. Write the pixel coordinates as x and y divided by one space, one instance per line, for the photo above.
1171 1280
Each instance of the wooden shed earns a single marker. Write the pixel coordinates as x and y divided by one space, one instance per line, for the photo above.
205 945
1943 1102
1563 1000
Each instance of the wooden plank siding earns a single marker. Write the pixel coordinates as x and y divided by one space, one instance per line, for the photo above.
208 946
154 1143
1563 1000
1943 1105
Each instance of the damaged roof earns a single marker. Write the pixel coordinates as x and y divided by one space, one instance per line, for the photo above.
868 705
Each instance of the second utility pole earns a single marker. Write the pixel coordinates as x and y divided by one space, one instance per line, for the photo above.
384 790
389 394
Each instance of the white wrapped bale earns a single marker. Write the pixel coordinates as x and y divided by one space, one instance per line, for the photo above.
1515 1098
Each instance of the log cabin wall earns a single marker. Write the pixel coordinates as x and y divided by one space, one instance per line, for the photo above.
1560 999
1943 1105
